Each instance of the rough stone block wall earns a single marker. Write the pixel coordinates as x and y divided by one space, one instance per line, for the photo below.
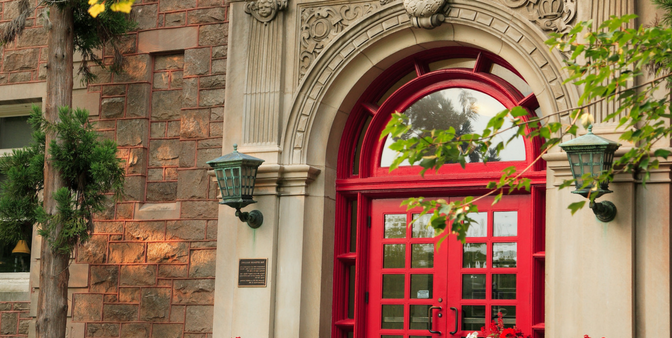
24 60
148 269
14 319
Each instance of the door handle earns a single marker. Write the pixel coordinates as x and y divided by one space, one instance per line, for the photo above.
457 317
429 323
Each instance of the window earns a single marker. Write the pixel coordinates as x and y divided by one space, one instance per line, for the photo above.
15 132
390 278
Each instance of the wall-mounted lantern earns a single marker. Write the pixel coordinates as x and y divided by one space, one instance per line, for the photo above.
236 174
592 154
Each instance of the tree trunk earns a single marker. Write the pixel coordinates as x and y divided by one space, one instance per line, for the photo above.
54 274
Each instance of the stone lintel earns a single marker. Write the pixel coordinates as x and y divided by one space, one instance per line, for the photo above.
162 40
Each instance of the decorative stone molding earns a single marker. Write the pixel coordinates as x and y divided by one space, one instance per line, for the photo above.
265 10
426 14
550 15
320 25
385 21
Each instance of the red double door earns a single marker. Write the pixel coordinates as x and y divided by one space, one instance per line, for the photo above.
417 289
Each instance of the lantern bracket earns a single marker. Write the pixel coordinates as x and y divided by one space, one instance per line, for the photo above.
605 211
253 218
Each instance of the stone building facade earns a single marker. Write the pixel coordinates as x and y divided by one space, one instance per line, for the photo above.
308 86
149 267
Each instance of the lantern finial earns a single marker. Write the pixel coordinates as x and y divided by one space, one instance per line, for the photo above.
235 147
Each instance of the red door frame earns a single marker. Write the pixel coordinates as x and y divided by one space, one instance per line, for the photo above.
373 182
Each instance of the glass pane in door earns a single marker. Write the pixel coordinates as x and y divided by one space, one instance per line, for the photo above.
395 256
419 319
392 317
393 286
422 255
473 317
395 226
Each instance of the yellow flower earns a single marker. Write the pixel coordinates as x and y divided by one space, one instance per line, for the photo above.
93 2
96 9
122 6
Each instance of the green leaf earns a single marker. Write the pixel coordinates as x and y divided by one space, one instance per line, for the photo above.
574 207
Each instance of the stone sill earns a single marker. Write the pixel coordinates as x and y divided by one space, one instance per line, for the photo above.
15 286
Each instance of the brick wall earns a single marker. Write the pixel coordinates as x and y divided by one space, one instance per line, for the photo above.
148 269
14 319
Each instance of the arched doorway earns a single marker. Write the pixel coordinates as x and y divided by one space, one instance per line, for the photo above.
390 279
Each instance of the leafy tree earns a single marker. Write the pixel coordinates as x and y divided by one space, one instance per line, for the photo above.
70 28
604 61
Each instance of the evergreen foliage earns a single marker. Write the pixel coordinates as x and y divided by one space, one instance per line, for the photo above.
88 166
665 5
20 190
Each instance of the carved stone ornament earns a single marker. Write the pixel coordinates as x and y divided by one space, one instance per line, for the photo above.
265 10
425 13
320 25
550 15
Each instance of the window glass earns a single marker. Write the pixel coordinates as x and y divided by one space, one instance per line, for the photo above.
453 63
511 78
465 110
15 132
408 77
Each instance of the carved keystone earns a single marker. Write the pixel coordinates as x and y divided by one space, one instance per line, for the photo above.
425 13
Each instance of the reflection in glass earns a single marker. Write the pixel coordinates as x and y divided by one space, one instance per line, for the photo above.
410 76
422 255
504 286
452 63
473 286
504 255
421 228
358 149
505 223
392 317
473 317
395 226
351 334
511 78
479 228
419 337
466 111
508 314
422 286
351 293
388 336
474 255
395 256
393 286
419 319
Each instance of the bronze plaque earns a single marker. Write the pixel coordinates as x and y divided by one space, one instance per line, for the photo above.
252 272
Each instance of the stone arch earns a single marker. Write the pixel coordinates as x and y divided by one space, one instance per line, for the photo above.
351 61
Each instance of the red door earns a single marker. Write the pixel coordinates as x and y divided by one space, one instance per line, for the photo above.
418 290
